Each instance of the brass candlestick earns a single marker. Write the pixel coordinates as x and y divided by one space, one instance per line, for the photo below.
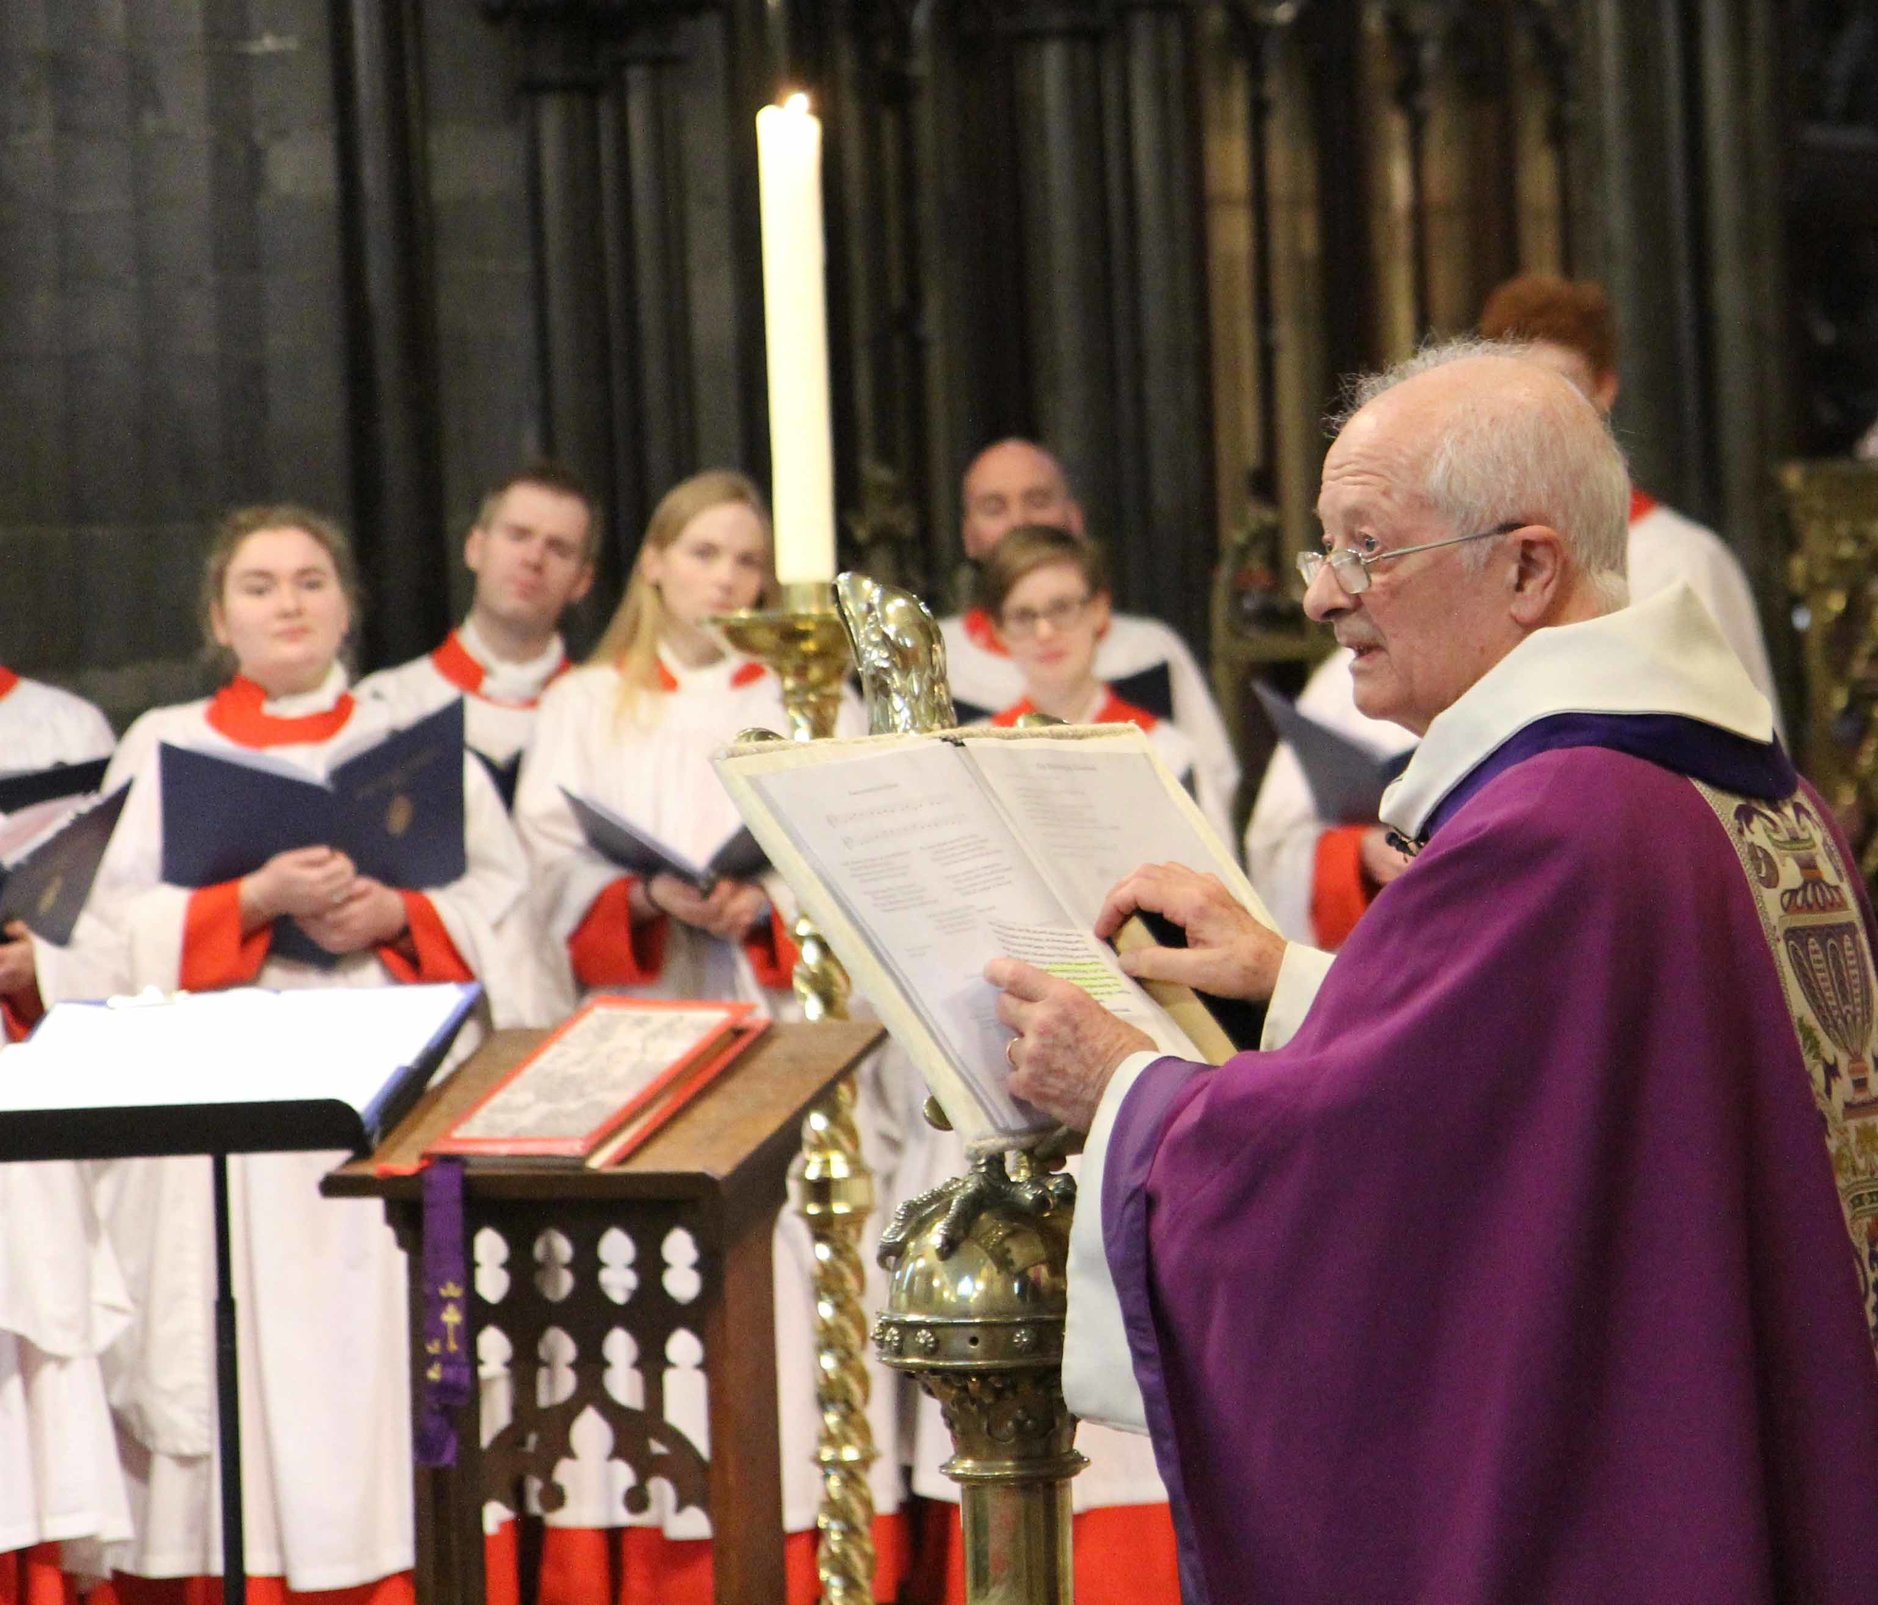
833 1191
979 1267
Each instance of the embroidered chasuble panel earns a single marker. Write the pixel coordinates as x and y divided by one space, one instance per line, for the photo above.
590 1349
1810 911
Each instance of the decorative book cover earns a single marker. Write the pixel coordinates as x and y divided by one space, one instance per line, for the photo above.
612 1064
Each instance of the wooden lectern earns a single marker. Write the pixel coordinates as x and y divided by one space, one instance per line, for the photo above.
717 1172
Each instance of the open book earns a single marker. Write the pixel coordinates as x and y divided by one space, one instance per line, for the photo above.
922 857
395 808
49 856
616 838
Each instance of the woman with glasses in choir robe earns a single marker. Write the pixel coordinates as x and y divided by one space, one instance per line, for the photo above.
634 729
326 1421
1046 593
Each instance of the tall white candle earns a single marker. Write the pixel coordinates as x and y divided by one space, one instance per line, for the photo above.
795 320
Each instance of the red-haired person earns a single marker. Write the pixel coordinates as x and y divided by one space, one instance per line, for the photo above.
634 729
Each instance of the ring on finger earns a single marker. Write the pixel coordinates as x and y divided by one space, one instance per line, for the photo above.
1010 1057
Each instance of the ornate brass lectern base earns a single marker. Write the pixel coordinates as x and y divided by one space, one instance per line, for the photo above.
978 1268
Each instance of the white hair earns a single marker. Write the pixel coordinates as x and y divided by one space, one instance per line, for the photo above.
1541 454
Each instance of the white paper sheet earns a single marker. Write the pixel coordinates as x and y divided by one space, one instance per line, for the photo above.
246 1045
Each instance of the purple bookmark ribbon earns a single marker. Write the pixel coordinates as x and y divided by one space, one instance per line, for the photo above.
449 1368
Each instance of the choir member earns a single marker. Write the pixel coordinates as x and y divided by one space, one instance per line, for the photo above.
531 551
1047 593
326 1425
62 1302
62 1298
1017 482
634 729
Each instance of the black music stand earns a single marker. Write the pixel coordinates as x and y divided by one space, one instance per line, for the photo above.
91 1117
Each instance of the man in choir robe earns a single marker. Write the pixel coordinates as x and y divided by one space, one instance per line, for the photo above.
1013 483
1317 875
1533 1258
531 550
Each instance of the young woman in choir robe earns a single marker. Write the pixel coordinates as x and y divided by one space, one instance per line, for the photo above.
1047 593
325 1413
635 729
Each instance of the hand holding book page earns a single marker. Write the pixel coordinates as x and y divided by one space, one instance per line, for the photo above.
921 857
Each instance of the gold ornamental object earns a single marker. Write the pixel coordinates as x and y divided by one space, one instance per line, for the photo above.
979 1267
833 1191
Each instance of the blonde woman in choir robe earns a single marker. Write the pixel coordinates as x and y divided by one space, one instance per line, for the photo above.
1046 593
326 1426
635 729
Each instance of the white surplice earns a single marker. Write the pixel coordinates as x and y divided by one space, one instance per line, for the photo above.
326 1433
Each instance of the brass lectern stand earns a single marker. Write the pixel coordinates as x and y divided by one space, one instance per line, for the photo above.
717 1171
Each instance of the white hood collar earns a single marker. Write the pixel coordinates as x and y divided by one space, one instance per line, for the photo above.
1663 655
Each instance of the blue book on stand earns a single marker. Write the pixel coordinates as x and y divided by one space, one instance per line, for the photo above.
395 809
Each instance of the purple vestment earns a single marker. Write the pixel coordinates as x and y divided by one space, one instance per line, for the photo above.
1522 1272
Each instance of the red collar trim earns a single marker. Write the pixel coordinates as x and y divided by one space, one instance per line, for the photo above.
1642 504
1112 711
8 680
453 661
747 673
236 712
1115 711
1010 716
983 633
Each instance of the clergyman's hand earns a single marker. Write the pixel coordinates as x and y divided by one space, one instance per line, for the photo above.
1067 1044
1228 952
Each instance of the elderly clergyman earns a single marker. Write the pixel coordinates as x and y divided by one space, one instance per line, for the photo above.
1533 1257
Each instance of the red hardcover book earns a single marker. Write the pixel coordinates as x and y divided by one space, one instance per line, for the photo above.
605 1080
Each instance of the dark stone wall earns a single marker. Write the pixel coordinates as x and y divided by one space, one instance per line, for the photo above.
168 303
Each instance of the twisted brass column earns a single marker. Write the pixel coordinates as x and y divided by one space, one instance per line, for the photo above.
832 1189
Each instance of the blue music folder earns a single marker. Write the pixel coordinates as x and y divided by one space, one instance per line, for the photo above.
395 809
